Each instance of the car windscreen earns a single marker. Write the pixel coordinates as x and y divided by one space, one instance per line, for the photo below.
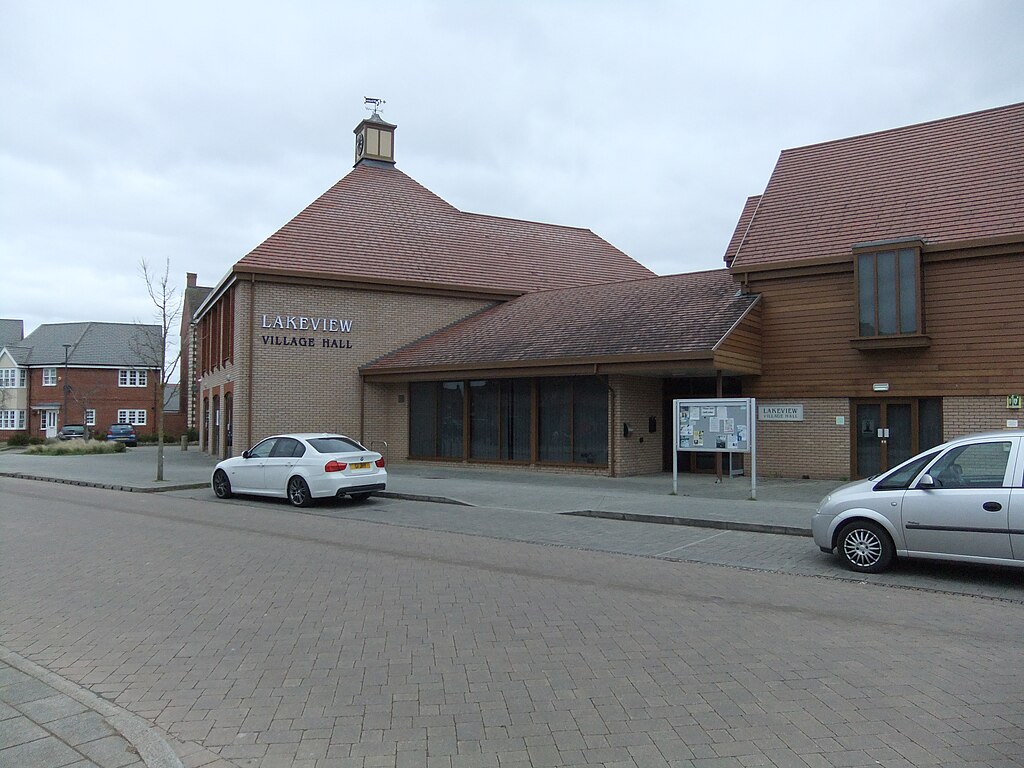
335 444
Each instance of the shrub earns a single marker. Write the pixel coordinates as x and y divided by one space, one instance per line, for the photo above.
18 441
76 448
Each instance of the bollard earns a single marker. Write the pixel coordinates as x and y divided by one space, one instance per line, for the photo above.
184 442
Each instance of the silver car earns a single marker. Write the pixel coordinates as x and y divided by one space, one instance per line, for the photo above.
962 500
301 468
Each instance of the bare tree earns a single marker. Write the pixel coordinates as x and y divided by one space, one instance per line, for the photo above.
154 350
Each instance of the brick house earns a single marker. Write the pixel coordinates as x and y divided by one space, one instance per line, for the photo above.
77 373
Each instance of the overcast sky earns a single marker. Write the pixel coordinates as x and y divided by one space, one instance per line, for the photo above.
191 131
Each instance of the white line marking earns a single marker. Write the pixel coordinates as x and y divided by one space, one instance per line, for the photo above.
692 543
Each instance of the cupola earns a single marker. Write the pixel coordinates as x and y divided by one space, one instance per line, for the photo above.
375 137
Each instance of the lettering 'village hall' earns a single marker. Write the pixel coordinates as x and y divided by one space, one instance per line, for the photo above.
869 300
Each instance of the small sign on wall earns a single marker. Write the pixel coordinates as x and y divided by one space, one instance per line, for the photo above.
1013 402
780 412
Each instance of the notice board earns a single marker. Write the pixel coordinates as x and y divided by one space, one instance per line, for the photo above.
719 425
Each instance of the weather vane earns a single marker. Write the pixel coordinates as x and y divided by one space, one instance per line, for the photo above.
373 104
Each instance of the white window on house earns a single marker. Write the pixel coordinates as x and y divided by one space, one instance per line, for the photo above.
129 416
90 417
12 419
12 377
49 377
131 378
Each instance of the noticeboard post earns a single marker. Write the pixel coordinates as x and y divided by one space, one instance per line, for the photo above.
716 425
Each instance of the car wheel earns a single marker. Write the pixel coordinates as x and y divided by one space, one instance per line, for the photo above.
865 547
221 484
360 496
298 492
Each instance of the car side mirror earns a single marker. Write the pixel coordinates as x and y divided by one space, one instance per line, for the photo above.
245 454
926 481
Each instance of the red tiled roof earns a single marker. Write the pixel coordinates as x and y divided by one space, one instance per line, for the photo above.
673 315
379 225
946 181
741 228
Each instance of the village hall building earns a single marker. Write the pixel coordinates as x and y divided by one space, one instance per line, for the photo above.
870 301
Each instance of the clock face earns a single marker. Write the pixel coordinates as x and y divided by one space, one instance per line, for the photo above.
359 144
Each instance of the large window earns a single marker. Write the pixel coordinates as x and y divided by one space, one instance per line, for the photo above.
12 419
436 419
131 378
572 420
49 377
888 292
499 419
12 377
557 420
137 417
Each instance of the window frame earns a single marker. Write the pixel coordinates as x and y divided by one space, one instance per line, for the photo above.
899 338
132 377
129 416
13 378
90 417
13 416
49 377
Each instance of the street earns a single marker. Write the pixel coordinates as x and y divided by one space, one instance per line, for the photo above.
401 633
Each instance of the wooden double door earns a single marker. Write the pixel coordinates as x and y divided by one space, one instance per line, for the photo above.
885 433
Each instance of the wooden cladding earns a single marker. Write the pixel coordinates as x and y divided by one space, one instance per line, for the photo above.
217 334
970 310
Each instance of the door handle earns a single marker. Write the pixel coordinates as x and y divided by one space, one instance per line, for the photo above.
992 506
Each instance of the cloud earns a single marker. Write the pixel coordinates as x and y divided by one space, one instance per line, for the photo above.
190 132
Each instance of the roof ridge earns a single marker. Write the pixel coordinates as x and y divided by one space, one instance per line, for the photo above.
901 128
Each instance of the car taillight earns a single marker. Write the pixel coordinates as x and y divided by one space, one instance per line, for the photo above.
380 462
335 466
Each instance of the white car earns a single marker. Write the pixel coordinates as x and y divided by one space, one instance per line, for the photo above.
301 468
962 500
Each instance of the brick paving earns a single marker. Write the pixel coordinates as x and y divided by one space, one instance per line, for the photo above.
253 636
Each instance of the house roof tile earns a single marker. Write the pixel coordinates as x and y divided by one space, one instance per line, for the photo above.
379 225
673 315
92 344
11 332
945 181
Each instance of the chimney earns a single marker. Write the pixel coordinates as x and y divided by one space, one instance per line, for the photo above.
190 279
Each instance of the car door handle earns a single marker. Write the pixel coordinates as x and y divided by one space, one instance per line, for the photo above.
992 506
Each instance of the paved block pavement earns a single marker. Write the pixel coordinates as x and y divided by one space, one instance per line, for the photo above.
313 646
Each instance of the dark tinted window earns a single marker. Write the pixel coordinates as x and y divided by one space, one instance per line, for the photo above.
336 444
286 448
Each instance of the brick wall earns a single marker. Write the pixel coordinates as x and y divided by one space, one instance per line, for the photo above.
966 415
95 388
386 417
816 447
308 380
636 399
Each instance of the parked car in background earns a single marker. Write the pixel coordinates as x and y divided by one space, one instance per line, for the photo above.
72 432
123 433
962 500
301 468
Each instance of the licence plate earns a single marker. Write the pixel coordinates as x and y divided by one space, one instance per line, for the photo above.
361 465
